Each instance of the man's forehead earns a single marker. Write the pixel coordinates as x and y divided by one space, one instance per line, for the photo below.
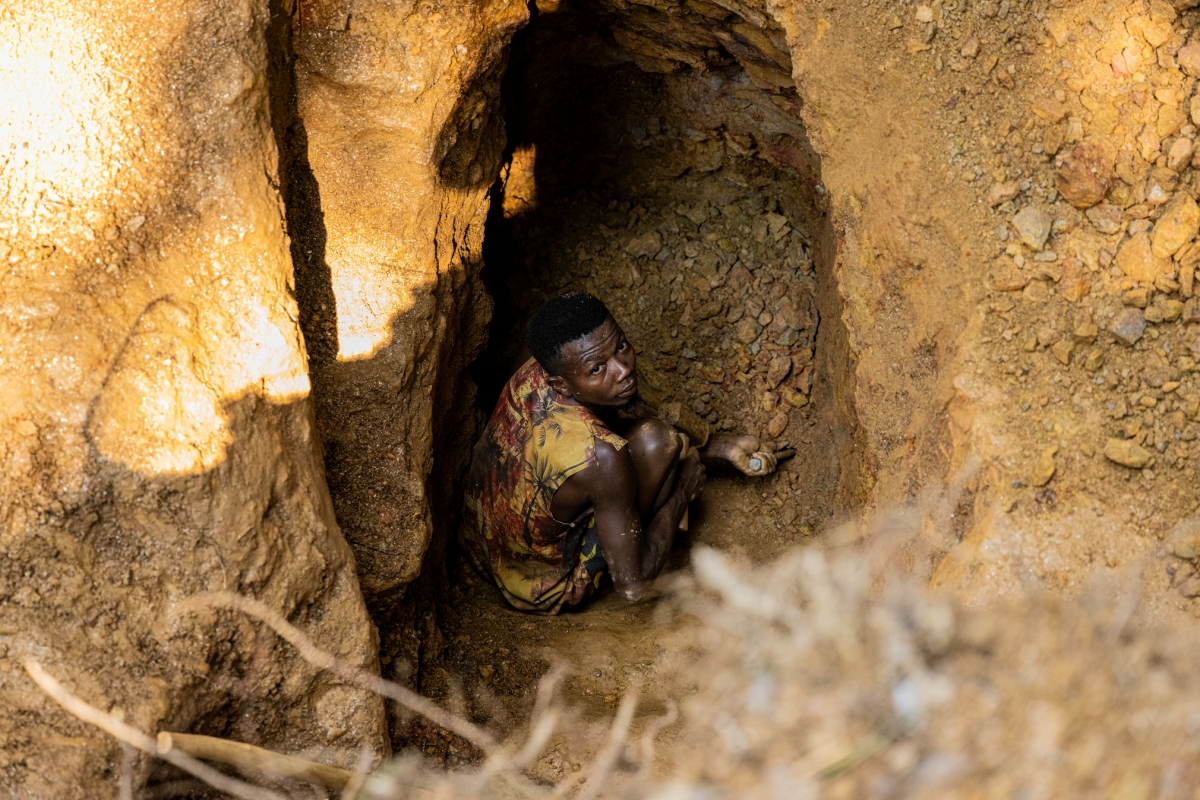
596 341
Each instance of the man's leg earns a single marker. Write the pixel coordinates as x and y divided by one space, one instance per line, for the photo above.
655 448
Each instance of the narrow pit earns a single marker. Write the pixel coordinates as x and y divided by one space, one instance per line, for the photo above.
689 203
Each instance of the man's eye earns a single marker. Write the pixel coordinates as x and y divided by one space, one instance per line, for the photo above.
596 369
621 347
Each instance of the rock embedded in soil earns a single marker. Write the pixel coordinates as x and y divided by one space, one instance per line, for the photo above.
777 425
1129 326
1188 59
1033 227
1180 154
1176 227
1137 260
1003 192
1106 218
1045 468
647 245
747 330
1082 175
1127 453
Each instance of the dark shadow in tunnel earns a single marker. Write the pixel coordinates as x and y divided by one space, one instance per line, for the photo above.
301 194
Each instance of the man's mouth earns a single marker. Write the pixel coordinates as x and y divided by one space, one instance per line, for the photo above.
630 390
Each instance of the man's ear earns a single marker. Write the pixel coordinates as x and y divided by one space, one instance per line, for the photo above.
559 384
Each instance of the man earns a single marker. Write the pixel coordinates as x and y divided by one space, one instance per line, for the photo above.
555 497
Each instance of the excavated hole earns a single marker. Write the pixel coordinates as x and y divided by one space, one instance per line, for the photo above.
690 203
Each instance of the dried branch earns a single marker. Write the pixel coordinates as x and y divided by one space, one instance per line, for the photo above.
248 757
649 735
122 732
356 675
125 789
607 758
361 770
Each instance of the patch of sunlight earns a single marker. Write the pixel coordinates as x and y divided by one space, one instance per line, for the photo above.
63 132
369 297
520 185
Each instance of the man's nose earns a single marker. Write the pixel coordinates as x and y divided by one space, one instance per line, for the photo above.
623 370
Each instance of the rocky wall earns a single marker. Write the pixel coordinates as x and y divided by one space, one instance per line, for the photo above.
156 428
396 141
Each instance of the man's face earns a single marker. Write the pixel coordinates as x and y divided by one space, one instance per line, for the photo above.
598 368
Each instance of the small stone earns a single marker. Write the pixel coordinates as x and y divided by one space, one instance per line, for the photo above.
1177 226
1138 297
1082 174
1129 326
794 399
1052 139
1059 29
1191 311
1188 59
1165 285
1172 310
1033 227
1094 360
647 245
778 370
1127 453
735 313
1086 331
1137 260
1050 110
769 401
1044 471
1062 350
486 671
747 330
1075 282
1007 278
1036 292
1105 218
1047 336
1157 371
1149 142
1180 154
970 47
712 373
924 14
1002 193
777 425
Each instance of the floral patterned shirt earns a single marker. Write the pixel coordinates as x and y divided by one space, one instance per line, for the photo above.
533 443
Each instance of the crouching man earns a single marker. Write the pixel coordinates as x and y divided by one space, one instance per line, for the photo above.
556 499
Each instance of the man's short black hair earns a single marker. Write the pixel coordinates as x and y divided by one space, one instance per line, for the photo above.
561 320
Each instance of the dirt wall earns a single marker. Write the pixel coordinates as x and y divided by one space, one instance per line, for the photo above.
397 139
155 421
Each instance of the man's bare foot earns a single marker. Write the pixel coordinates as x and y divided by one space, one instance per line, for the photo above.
742 451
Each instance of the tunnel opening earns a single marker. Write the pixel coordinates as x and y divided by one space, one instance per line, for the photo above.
686 196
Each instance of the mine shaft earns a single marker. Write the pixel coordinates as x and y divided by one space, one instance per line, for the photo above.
268 267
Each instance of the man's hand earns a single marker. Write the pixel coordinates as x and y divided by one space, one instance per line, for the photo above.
691 478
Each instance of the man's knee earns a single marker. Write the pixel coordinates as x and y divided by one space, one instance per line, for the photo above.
654 439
